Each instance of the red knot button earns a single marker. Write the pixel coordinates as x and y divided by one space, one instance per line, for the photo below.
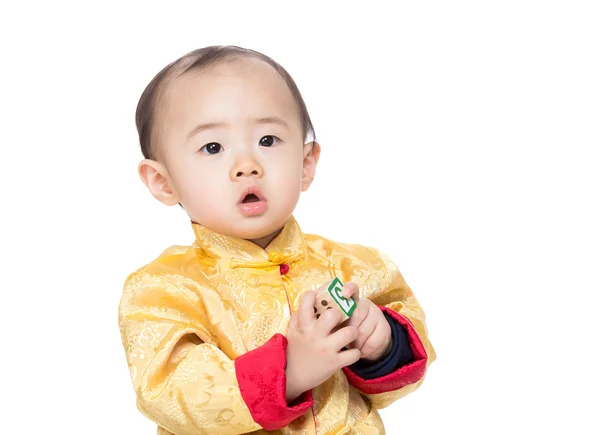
284 268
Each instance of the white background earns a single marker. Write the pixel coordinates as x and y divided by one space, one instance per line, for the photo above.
461 138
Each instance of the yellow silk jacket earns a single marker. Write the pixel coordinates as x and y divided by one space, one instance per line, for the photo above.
198 316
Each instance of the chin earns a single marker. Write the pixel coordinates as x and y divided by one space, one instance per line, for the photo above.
257 227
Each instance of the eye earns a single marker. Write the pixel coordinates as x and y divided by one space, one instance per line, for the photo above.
269 140
212 148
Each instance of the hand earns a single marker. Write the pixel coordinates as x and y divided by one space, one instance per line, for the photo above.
313 351
374 332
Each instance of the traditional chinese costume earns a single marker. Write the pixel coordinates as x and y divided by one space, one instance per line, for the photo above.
203 328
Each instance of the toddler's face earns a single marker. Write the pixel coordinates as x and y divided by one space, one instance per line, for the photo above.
231 146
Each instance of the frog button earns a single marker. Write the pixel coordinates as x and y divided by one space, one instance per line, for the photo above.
275 257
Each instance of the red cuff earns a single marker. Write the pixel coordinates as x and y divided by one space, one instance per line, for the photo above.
405 375
261 377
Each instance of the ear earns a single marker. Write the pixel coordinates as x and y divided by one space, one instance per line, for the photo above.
312 152
156 178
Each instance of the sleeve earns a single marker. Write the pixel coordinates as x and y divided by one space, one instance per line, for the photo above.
183 381
399 354
397 301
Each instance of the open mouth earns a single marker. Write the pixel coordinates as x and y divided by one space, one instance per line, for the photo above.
252 202
250 198
250 195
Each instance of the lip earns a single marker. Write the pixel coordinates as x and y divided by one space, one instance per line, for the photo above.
252 208
252 190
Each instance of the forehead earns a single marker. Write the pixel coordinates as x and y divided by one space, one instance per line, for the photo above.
233 92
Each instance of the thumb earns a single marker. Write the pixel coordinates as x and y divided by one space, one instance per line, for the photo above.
293 321
306 313
350 290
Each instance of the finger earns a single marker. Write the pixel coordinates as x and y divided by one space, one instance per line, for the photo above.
329 320
351 290
377 342
343 337
367 327
306 309
360 313
341 325
348 357
293 322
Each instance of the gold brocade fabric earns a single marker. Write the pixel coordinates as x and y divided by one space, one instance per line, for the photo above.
188 314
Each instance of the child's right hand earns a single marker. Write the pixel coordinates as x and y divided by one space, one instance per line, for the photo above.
313 351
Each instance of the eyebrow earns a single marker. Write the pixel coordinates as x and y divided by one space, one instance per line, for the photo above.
213 125
271 120
208 126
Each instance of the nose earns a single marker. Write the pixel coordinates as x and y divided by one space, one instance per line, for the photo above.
246 167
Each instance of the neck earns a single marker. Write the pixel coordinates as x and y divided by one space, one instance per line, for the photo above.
263 242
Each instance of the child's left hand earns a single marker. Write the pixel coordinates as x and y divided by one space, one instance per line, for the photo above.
374 332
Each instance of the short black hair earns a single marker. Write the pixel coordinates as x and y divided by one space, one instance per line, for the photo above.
200 59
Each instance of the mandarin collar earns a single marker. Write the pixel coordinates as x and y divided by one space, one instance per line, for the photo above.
288 246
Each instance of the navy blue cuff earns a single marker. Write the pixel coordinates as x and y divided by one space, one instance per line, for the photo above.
401 354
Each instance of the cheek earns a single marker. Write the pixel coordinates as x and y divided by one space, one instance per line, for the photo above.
198 182
288 174
288 164
289 186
